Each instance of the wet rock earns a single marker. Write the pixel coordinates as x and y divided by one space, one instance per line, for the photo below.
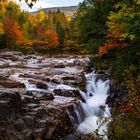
29 121
48 71
68 77
43 95
102 77
32 105
59 66
41 124
77 80
56 81
100 72
30 57
11 53
70 137
10 103
28 99
39 134
62 122
40 112
19 124
3 77
27 134
80 80
48 96
39 84
33 76
14 56
67 93
11 84
13 135
117 94
79 62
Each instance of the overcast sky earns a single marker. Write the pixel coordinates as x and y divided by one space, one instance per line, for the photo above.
48 3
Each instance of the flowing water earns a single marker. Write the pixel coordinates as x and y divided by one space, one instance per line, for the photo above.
90 112
90 115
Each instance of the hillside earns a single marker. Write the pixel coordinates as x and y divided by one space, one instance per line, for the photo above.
69 11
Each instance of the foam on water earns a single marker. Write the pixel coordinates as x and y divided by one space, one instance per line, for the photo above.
94 106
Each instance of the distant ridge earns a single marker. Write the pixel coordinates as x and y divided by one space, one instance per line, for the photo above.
68 10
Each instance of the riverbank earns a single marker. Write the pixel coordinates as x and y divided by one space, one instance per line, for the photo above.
124 99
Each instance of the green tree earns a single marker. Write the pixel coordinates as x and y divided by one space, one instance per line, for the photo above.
91 17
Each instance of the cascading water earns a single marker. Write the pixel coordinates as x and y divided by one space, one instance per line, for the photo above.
87 113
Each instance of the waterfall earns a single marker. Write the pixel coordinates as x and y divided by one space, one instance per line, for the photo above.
87 113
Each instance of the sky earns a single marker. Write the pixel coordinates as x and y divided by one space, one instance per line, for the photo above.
47 3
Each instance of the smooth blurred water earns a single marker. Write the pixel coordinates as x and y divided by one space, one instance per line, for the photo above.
94 106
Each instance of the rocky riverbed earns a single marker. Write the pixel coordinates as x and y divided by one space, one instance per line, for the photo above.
45 98
36 93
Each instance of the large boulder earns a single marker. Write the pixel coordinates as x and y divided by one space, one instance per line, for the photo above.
61 122
10 103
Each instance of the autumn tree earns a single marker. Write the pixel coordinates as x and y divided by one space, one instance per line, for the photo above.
45 39
13 35
13 11
121 26
40 17
91 17
52 38
58 22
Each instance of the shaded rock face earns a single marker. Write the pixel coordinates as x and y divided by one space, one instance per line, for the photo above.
30 119
36 94
10 104
118 94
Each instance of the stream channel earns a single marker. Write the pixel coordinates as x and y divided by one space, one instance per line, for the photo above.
56 85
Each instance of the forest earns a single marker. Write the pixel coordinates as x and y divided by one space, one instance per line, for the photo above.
107 30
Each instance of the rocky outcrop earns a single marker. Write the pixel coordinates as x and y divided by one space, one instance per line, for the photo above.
117 94
30 117
10 104
38 111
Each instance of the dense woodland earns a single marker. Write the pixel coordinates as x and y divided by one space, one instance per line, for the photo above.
107 29
111 29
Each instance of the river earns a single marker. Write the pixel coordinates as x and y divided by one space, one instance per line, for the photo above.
57 84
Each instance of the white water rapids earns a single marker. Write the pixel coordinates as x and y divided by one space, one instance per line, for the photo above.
88 114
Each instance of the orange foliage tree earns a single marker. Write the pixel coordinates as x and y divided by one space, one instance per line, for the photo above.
52 38
12 32
45 38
